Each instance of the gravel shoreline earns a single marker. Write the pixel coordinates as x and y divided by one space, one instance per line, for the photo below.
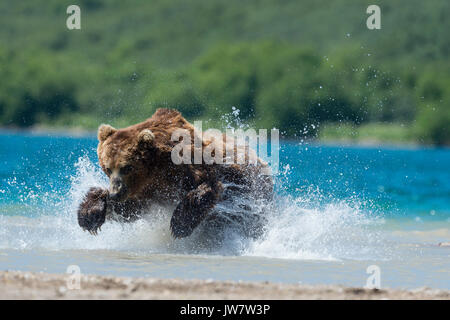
30 285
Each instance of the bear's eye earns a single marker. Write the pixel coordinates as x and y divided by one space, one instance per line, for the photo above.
126 170
108 171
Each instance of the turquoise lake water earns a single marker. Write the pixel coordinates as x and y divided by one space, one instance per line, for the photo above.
337 211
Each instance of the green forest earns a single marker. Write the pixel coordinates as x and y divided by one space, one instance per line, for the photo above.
308 67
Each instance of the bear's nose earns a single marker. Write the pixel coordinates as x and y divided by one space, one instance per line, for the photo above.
117 189
114 196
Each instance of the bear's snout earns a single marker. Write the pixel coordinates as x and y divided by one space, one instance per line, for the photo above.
118 190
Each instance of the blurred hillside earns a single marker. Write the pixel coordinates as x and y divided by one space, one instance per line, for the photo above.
299 65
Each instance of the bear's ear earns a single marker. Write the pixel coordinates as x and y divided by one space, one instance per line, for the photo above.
104 131
146 136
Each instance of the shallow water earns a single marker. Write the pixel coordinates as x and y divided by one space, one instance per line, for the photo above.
337 211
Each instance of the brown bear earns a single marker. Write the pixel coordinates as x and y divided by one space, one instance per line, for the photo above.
138 162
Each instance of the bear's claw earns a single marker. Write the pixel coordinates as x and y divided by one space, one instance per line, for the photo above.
92 210
192 210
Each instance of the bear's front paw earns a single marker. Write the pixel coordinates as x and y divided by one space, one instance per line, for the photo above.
92 210
192 210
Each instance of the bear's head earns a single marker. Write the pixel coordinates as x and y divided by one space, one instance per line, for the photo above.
123 157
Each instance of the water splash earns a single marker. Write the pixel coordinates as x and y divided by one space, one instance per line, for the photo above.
332 231
299 227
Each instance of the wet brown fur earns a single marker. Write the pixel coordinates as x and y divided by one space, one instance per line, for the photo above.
147 146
